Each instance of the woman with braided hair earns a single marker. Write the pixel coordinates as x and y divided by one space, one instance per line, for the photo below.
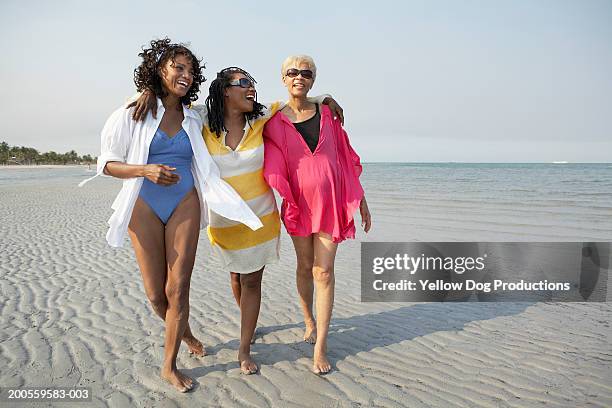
233 125
169 177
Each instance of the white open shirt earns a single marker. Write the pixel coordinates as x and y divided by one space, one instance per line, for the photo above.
125 140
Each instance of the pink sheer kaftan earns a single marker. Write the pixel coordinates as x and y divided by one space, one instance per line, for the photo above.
321 190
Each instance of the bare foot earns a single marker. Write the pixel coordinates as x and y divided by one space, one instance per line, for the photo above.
180 381
310 334
321 364
195 346
247 365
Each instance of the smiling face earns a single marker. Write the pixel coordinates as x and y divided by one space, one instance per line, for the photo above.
298 86
177 75
239 98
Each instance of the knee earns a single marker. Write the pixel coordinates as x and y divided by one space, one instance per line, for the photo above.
323 274
304 268
178 292
250 281
158 301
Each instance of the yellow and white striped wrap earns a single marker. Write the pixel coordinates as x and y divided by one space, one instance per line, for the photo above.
241 249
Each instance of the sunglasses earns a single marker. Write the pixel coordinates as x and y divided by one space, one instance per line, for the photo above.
306 73
242 82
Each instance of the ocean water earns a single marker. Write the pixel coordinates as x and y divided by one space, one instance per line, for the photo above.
447 201
490 201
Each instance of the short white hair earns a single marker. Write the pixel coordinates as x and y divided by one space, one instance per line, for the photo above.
294 61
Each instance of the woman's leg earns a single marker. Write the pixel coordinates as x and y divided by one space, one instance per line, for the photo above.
250 301
324 280
304 251
182 233
147 235
237 291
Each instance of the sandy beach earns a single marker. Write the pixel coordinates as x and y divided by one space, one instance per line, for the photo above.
74 313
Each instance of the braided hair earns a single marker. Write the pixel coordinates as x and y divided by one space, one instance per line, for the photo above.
148 73
215 102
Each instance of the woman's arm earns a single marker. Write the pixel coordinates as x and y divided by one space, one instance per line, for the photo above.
354 161
331 103
366 217
157 173
276 172
116 139
353 157
146 102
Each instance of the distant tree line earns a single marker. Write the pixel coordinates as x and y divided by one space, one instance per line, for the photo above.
29 156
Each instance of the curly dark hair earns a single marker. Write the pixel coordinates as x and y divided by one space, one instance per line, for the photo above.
147 75
215 100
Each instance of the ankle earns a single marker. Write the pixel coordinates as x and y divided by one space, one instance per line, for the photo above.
168 368
320 347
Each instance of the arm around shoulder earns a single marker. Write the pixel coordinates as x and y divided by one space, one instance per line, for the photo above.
319 99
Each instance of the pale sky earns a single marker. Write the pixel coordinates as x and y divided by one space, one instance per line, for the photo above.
420 81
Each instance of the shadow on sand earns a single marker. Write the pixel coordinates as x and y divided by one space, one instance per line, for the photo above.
352 335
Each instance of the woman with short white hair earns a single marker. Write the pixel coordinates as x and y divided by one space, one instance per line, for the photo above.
310 162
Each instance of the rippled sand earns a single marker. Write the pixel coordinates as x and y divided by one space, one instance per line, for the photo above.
74 314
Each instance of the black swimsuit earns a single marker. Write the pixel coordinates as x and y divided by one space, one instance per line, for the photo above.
310 129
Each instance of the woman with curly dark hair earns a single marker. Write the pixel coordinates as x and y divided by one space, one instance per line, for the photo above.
169 179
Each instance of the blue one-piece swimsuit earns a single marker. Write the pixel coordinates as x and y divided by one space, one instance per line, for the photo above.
174 152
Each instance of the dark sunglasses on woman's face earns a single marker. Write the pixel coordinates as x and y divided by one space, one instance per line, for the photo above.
306 73
242 82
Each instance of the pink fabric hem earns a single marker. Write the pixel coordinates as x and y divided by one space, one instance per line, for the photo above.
321 190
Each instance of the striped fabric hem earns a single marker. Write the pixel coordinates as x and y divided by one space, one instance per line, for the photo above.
249 260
